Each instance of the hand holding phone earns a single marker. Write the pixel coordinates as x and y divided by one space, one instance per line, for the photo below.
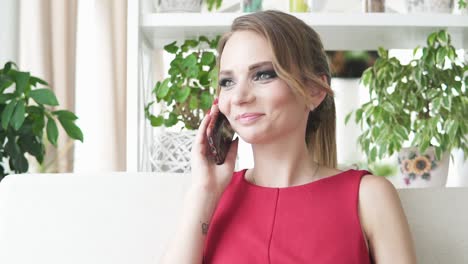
219 134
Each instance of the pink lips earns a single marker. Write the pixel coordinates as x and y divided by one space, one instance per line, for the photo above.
248 118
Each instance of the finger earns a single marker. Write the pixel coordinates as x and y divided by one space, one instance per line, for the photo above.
214 112
232 153
200 137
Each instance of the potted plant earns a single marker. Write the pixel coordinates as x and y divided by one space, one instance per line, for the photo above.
25 115
213 3
424 101
185 5
186 95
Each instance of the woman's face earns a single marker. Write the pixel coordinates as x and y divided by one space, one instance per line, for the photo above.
249 85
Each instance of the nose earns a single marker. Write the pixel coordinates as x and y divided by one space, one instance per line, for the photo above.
243 93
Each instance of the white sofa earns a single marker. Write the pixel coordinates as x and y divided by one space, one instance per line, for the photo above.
128 217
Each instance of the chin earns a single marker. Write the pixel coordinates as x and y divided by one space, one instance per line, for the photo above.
251 138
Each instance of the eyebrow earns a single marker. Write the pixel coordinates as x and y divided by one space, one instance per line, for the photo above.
251 67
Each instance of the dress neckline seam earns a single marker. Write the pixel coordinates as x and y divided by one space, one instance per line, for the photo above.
243 172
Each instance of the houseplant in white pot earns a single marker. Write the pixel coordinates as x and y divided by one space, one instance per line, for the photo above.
185 5
424 102
186 95
27 118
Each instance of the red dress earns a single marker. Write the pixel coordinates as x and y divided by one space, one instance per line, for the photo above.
317 223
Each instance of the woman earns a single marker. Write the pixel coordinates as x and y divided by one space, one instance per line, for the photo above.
294 206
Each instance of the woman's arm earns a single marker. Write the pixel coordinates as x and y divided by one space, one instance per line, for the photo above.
384 222
187 244
208 183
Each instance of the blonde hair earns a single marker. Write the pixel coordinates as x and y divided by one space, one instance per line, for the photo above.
299 59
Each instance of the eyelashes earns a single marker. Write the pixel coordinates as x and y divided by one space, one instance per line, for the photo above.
261 76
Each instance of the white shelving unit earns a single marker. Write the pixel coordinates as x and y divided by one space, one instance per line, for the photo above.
338 31
148 32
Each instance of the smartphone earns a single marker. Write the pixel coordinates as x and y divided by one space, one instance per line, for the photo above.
219 135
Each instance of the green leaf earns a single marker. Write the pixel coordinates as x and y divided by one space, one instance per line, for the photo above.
192 72
213 75
163 89
204 78
188 44
22 79
30 144
442 36
6 97
415 50
347 117
171 48
34 81
203 39
440 56
65 114
447 102
8 66
373 154
401 133
388 107
156 88
438 152
182 94
452 130
17 161
367 76
206 100
38 125
52 131
5 82
72 130
436 103
431 39
7 113
382 52
207 58
358 116
172 120
190 61
193 103
44 96
214 42
156 121
18 116
424 145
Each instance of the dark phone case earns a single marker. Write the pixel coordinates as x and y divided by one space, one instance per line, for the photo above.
220 139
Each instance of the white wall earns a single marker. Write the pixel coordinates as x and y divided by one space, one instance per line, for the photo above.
9 27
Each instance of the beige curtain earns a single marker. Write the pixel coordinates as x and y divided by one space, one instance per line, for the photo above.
47 37
101 85
49 48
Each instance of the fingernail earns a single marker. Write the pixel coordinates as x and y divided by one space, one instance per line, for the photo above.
215 101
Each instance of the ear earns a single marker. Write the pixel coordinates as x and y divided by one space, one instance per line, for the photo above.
317 94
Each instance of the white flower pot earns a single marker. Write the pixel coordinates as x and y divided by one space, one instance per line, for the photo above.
461 169
178 5
349 96
430 6
418 170
171 151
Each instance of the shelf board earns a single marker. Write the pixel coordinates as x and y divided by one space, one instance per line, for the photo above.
339 31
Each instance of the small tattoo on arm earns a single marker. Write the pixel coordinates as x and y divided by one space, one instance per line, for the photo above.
205 228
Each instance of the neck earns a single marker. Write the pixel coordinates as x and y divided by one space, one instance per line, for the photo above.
290 165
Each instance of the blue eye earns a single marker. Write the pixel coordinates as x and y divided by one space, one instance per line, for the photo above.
265 75
225 83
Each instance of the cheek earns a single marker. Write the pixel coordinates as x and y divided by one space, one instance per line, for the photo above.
223 105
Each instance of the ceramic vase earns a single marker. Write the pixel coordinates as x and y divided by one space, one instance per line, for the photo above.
420 170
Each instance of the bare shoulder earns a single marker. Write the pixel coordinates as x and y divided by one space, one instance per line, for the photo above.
373 186
384 221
